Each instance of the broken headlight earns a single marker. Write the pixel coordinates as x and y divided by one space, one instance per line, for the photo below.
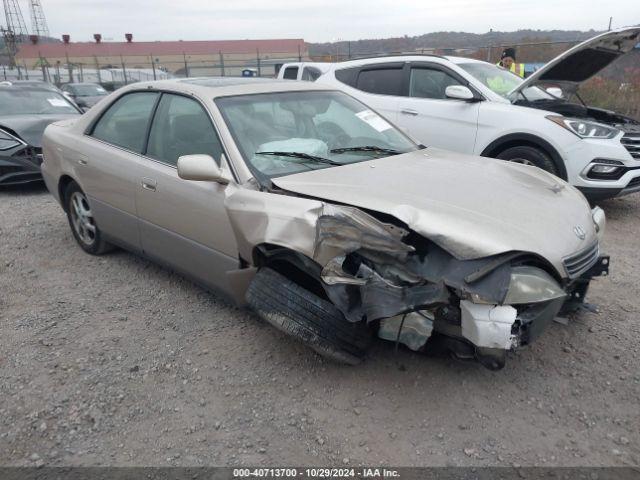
584 129
531 285
8 141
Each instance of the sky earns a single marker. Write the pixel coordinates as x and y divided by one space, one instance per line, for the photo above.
321 20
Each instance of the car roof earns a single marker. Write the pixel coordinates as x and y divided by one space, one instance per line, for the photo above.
401 58
29 86
213 87
458 60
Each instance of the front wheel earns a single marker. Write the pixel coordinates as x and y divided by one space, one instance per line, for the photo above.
83 225
310 319
529 156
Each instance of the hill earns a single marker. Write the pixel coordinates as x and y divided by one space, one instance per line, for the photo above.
447 40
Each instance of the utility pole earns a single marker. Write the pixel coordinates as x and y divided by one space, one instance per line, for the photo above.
38 21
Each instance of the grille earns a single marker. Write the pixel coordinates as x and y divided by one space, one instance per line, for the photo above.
632 143
580 262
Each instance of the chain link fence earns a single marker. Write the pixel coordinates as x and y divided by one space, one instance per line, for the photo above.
130 69
616 88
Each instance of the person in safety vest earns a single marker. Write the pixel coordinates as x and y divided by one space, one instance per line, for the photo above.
508 61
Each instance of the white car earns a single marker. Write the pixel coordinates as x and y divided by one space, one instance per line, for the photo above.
475 107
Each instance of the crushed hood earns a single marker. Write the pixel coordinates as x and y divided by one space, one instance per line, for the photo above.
471 206
583 61
31 127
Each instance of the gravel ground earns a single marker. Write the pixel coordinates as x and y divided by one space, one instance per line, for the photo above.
116 361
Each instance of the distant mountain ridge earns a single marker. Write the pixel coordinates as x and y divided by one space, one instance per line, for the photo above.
447 40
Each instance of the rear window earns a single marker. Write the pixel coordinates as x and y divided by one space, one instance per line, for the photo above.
310 74
290 73
14 101
383 81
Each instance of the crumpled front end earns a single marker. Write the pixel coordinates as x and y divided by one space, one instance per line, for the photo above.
409 289
19 162
414 290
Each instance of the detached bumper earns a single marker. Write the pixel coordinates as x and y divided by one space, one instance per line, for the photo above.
494 329
21 168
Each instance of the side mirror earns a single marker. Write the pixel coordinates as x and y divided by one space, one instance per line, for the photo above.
459 92
201 168
555 91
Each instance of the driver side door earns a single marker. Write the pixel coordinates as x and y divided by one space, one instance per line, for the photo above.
433 118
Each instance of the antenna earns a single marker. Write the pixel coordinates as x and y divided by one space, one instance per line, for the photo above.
38 20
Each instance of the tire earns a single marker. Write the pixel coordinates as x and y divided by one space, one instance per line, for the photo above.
529 156
310 319
82 223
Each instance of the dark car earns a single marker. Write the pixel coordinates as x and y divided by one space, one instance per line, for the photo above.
25 111
86 95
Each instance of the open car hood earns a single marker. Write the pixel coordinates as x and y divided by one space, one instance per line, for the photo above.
472 207
583 61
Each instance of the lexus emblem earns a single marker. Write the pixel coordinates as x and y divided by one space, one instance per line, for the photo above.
579 231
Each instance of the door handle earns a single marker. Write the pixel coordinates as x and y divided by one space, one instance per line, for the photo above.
409 111
149 184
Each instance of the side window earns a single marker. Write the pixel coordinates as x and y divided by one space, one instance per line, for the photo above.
430 83
310 74
385 81
125 123
347 76
290 73
181 126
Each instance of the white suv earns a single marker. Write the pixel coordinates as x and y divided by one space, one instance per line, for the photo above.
478 108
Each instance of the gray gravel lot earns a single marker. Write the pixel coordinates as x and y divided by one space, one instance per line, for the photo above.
116 361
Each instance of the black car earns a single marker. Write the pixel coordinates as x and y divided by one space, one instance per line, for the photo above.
86 95
25 111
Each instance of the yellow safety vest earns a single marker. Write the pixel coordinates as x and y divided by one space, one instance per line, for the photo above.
517 68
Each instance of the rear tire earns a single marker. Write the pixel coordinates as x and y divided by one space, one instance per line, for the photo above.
529 156
310 319
82 223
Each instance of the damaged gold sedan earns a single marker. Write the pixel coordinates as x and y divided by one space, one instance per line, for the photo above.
330 223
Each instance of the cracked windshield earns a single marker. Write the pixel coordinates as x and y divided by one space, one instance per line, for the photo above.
283 133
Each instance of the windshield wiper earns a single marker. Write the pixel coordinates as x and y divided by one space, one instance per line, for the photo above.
302 155
366 148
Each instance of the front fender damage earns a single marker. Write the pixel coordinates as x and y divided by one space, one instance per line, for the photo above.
379 271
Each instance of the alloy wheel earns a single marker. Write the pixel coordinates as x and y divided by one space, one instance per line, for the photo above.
82 218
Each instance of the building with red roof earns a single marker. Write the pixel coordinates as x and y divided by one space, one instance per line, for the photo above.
192 58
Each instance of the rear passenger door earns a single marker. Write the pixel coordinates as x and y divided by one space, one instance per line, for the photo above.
381 86
184 223
108 165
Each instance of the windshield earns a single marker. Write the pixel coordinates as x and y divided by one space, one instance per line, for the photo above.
23 102
87 90
284 133
502 81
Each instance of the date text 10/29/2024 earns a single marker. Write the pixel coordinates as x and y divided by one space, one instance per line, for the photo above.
303 473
